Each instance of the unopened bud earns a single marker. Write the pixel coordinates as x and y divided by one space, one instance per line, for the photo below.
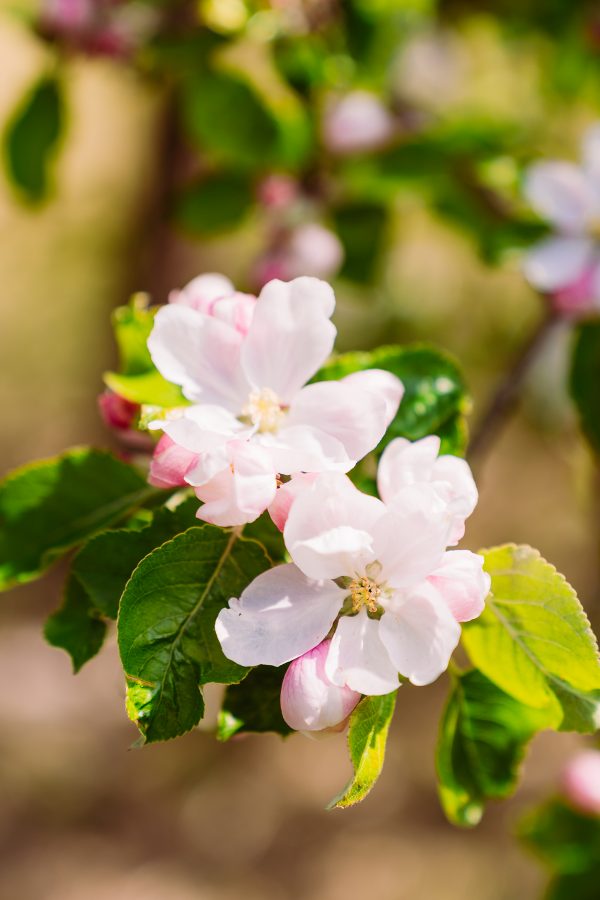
309 700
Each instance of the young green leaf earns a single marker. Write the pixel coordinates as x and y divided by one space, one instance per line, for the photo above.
32 137
361 227
146 388
132 326
104 565
534 640
481 744
48 507
76 626
253 704
565 839
367 737
166 625
585 377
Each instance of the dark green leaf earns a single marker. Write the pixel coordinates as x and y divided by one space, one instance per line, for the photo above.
104 565
534 641
567 840
266 533
361 227
254 704
367 737
482 741
585 378
217 203
166 625
32 137
50 506
76 626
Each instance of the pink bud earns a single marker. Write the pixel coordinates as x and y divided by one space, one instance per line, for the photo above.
309 700
313 250
277 191
357 122
215 295
170 464
116 411
581 782
577 298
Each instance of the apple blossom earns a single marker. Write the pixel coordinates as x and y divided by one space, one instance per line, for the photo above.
361 573
310 701
357 122
581 782
215 295
567 265
252 416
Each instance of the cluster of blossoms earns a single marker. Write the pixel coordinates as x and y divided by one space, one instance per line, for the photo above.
372 592
99 27
567 265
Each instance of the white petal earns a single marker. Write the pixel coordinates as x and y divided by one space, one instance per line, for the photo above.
420 635
240 492
412 536
404 463
200 428
462 583
329 531
557 191
358 659
381 383
201 354
279 616
200 292
454 480
290 336
557 262
286 495
300 448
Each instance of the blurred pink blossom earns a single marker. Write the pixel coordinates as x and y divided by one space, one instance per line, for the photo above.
581 782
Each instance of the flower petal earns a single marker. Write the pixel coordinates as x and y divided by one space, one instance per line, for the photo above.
240 492
300 448
279 616
310 701
201 354
286 495
462 583
404 463
358 659
557 262
558 193
330 526
381 383
170 464
201 292
420 634
290 335
200 428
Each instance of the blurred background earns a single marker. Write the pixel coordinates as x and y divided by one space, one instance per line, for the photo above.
377 143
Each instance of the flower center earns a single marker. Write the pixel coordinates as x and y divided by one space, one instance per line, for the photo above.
365 592
264 410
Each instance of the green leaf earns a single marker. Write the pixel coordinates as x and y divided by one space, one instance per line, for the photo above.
434 389
148 388
224 115
254 704
585 378
217 203
566 840
361 227
482 741
104 565
48 507
166 625
76 626
32 138
534 640
367 736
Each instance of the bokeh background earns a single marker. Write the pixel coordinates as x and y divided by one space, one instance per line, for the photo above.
83 816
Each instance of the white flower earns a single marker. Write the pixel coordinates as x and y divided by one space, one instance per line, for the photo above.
567 265
364 572
253 417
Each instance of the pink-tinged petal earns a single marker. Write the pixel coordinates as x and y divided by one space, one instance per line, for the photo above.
200 428
557 191
581 782
329 531
170 464
237 311
404 463
382 384
462 583
201 354
420 635
454 480
578 298
310 701
201 292
239 493
290 336
116 411
287 494
352 414
557 262
279 616
300 448
358 659
591 153
411 537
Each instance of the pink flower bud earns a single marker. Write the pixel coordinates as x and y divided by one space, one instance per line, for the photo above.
278 191
314 250
581 782
116 411
170 464
309 700
356 123
214 295
577 298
